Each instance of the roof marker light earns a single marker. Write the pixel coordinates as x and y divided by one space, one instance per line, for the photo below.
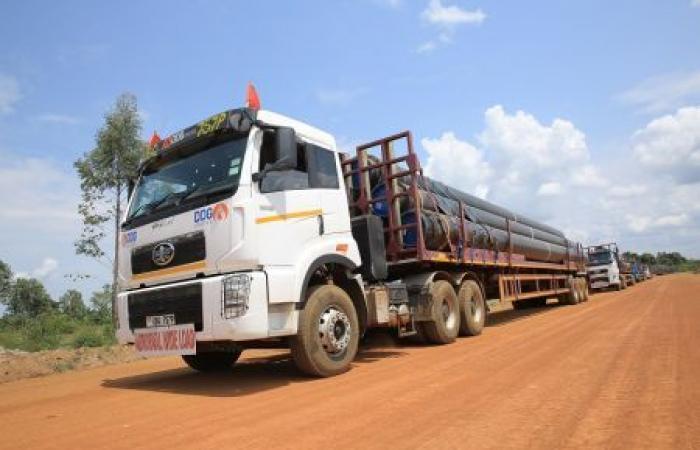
155 139
252 99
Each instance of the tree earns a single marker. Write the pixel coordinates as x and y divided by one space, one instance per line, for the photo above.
647 258
5 282
71 303
104 175
101 302
29 298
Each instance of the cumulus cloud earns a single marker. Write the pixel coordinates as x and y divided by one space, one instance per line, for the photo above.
671 144
48 266
450 16
458 163
446 19
545 171
9 94
664 92
550 188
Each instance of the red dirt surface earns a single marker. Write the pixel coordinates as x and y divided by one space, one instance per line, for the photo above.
621 371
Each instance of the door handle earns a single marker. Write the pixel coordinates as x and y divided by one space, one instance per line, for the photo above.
321 228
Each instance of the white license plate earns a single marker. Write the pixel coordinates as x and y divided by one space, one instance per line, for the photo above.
166 320
172 340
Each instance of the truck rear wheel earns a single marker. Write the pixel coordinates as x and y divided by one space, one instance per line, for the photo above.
329 333
212 361
472 309
444 324
572 297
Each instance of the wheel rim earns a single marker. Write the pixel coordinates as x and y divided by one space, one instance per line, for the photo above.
334 330
448 313
475 310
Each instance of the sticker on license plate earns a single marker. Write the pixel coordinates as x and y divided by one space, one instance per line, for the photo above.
166 320
173 340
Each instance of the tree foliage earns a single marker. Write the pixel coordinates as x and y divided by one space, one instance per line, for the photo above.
5 282
29 298
71 303
104 173
101 303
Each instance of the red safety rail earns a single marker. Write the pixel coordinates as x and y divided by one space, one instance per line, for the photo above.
360 197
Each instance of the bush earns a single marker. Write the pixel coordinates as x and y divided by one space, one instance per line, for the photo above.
53 330
88 338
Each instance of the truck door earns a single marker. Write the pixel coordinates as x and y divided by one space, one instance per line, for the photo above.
324 168
289 210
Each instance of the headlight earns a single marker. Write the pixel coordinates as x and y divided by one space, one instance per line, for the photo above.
236 290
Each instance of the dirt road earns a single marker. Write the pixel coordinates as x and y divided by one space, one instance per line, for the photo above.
622 371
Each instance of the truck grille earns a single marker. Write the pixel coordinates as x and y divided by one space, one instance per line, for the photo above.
189 248
185 302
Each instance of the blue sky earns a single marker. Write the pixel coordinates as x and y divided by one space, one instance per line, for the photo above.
525 96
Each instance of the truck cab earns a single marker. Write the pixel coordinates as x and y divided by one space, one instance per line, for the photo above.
603 267
227 222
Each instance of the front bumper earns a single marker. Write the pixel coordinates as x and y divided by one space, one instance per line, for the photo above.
253 324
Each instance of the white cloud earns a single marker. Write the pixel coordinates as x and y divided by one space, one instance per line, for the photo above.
447 19
631 190
457 163
60 119
671 144
9 94
546 172
695 3
339 97
665 92
48 266
521 136
450 16
550 188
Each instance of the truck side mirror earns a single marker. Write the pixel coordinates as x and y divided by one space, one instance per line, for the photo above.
285 149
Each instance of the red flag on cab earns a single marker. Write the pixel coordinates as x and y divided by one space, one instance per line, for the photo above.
155 139
252 99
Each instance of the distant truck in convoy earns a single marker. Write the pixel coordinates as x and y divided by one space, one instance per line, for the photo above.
250 226
607 269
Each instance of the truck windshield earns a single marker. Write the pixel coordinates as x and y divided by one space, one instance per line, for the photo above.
599 258
213 170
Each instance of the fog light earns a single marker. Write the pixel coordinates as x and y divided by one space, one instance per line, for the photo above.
236 290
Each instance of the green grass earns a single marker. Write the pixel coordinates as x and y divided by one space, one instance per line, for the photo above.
54 330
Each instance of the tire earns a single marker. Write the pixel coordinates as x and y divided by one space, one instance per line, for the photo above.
329 333
584 288
472 309
443 327
212 361
572 298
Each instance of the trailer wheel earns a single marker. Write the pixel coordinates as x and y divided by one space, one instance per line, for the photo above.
572 297
444 324
472 309
329 333
584 289
212 361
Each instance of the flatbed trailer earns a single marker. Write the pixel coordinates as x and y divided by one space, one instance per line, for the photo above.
506 276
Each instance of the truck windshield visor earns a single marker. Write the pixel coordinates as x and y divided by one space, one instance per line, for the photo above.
214 170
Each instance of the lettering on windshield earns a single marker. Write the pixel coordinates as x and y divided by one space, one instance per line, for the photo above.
211 124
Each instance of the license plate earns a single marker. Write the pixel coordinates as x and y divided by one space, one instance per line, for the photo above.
172 340
166 320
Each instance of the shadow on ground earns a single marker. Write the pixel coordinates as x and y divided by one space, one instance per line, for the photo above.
247 377
252 375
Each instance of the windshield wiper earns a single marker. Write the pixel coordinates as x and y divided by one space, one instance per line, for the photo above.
200 191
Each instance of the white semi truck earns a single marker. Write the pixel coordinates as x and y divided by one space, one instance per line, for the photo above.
606 269
250 226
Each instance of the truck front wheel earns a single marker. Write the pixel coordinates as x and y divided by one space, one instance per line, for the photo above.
443 326
212 361
329 333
